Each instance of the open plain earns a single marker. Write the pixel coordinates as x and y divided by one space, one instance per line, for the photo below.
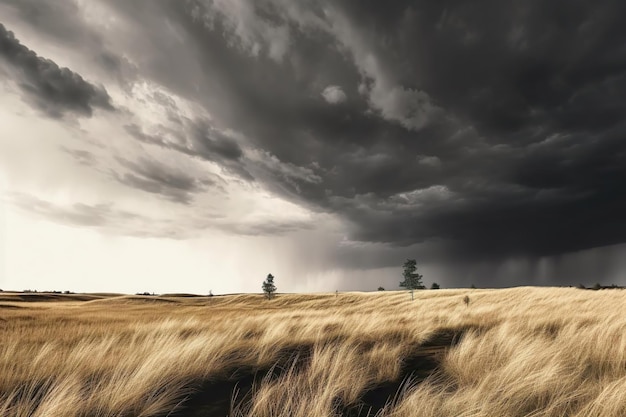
523 351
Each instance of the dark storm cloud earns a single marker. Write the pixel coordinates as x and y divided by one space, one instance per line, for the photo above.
489 129
154 177
210 143
524 158
510 65
51 89
541 86
199 139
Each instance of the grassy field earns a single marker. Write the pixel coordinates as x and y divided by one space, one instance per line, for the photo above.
509 352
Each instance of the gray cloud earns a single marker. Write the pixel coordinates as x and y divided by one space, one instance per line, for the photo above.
197 138
78 214
269 227
110 219
104 217
58 20
211 144
83 157
52 89
172 183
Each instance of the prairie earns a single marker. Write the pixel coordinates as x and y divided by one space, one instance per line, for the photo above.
523 351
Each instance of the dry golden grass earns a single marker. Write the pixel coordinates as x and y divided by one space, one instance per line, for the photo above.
511 352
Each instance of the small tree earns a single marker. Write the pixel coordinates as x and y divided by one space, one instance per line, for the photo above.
381 289
435 286
268 286
412 280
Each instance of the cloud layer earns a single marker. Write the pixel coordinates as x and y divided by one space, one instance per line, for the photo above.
55 91
484 131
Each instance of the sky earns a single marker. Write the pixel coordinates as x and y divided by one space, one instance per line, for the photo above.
198 145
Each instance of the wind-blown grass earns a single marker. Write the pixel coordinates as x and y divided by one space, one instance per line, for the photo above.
519 352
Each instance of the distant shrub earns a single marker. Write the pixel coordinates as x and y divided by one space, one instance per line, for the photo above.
582 286
597 286
381 289
466 300
434 286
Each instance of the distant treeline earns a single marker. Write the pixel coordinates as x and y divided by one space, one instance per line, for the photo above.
599 286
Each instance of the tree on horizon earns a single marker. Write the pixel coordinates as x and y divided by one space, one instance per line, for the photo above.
268 286
412 279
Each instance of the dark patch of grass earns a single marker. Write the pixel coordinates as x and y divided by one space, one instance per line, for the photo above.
422 362
214 397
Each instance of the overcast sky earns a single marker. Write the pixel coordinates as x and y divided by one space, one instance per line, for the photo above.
196 145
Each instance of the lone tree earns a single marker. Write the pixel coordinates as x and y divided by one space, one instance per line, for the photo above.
435 286
268 286
412 280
